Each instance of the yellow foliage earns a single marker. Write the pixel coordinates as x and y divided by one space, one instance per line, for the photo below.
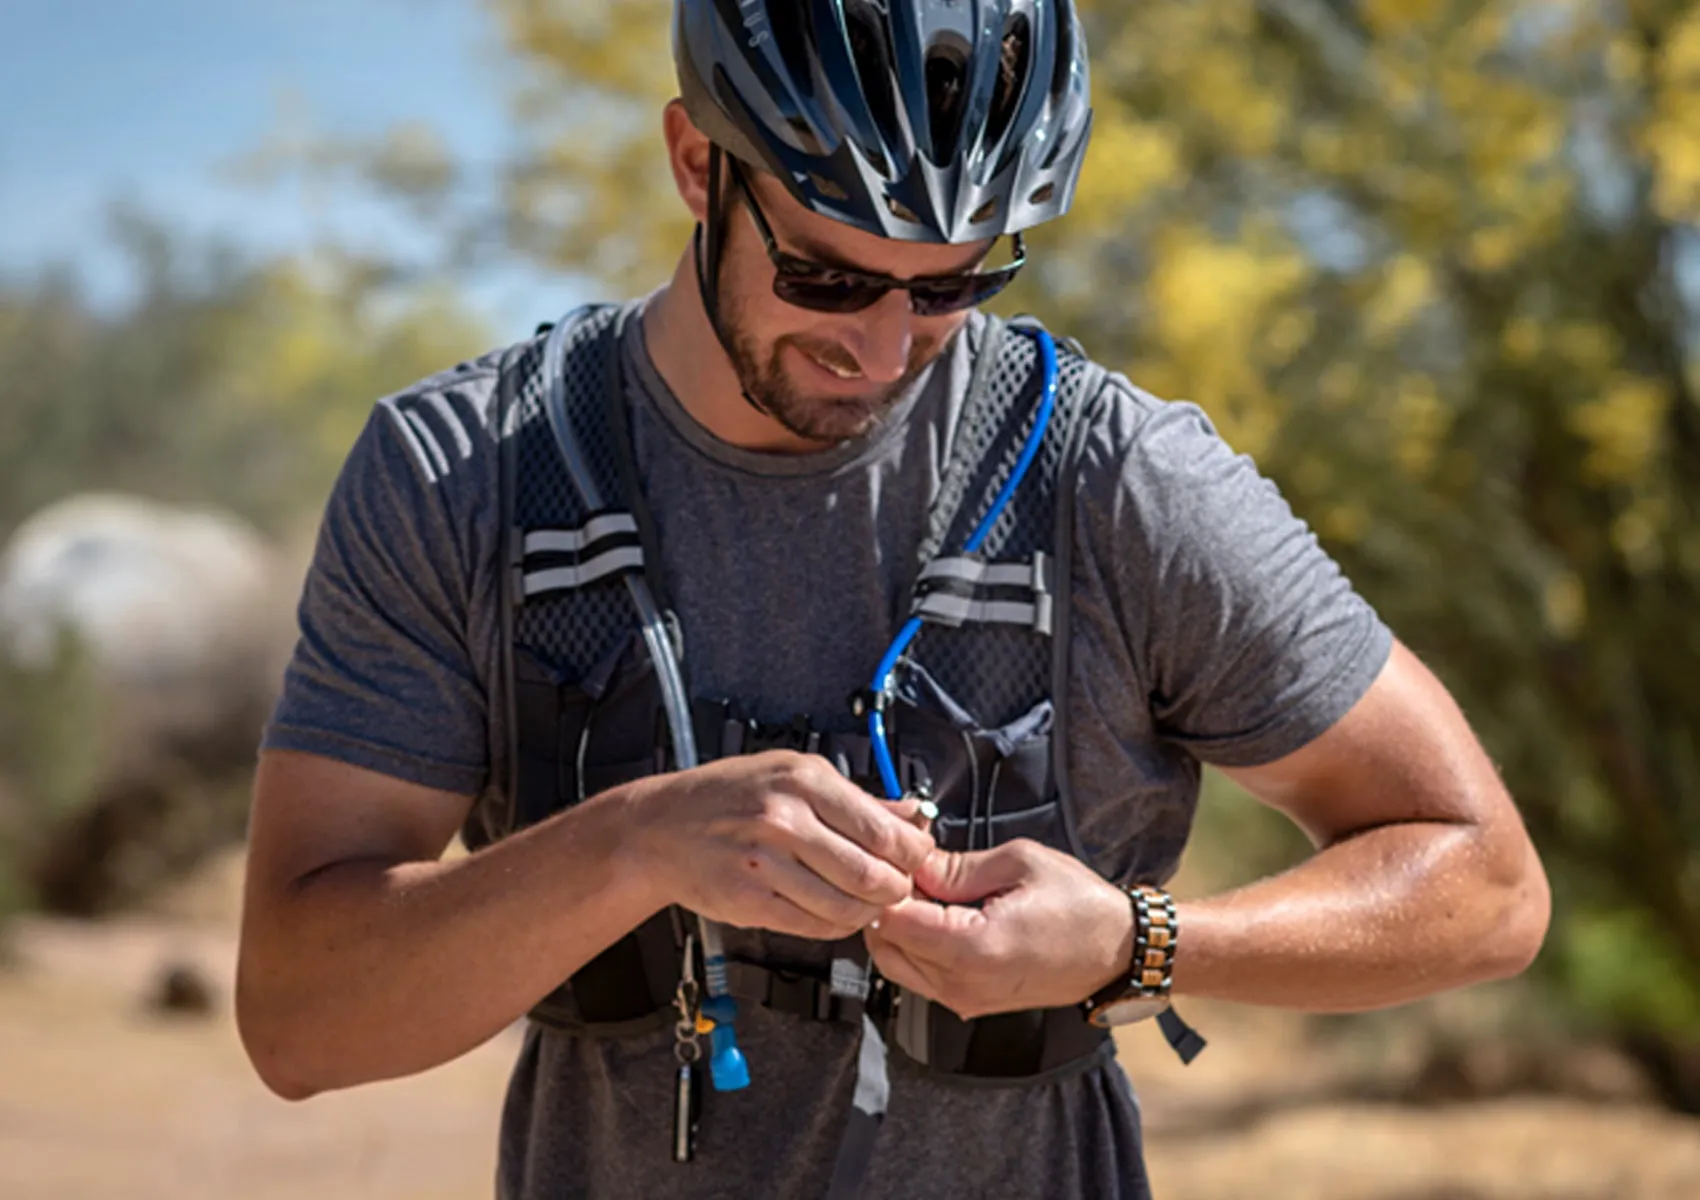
1588 347
1128 159
1246 114
1286 335
1211 294
1564 604
1672 138
1325 148
1339 384
1215 309
1407 286
1485 29
1626 61
1637 532
1420 422
1623 428
1679 63
1492 248
621 48
1522 340
1402 16
1344 522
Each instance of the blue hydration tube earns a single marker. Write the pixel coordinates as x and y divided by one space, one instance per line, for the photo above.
726 1063
883 682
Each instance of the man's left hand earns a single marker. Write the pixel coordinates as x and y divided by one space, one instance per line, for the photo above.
1018 927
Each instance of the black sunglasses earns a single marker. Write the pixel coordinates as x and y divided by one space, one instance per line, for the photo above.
821 288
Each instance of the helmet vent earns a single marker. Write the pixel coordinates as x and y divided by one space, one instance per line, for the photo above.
947 87
985 212
828 188
1043 194
1012 77
806 136
790 26
1063 71
872 55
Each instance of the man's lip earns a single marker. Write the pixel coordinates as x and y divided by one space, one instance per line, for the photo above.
816 360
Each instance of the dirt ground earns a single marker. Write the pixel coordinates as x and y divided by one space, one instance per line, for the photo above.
100 1096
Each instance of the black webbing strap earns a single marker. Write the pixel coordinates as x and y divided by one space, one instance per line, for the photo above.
509 588
1017 1045
1183 1039
1088 402
625 461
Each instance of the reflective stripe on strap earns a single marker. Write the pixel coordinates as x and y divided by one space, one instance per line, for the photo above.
955 591
617 561
559 560
980 573
571 541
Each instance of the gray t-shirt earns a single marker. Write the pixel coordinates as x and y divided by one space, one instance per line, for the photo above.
1207 625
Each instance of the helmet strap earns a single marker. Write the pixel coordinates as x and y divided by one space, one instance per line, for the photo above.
707 246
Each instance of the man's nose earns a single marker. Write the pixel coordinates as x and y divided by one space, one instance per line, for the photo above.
883 337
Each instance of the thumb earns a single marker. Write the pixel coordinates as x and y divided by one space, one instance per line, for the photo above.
964 878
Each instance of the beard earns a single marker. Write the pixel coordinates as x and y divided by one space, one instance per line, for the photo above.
814 417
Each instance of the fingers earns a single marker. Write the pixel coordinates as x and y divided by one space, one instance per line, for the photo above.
783 841
944 935
886 829
901 968
844 912
767 909
850 871
966 878
867 848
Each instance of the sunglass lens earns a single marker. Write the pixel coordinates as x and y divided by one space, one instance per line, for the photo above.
938 299
826 291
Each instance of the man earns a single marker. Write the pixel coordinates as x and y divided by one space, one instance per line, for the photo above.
788 411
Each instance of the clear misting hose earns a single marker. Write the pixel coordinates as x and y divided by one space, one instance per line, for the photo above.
727 1067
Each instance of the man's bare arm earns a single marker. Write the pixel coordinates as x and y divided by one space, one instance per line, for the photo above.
1424 880
364 957
1424 877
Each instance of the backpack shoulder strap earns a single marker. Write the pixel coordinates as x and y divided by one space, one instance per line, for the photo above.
520 391
966 446
1087 407
618 414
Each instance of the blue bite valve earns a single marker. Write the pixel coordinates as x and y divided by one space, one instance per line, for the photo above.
726 1065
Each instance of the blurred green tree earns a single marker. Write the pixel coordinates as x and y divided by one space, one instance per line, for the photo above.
223 381
1433 263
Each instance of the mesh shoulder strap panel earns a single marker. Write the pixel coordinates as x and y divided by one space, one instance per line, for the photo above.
1088 406
953 487
520 416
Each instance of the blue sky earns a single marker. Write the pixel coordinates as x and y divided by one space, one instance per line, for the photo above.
151 101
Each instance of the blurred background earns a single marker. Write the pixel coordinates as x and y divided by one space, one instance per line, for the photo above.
1434 263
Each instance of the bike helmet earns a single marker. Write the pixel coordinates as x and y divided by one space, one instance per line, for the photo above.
946 121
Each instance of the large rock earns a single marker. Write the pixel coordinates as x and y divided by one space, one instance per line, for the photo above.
182 616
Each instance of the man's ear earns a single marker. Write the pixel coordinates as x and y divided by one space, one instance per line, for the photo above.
687 153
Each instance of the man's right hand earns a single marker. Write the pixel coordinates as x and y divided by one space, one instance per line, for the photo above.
777 841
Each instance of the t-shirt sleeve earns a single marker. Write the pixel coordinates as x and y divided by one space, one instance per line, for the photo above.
384 675
1251 640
